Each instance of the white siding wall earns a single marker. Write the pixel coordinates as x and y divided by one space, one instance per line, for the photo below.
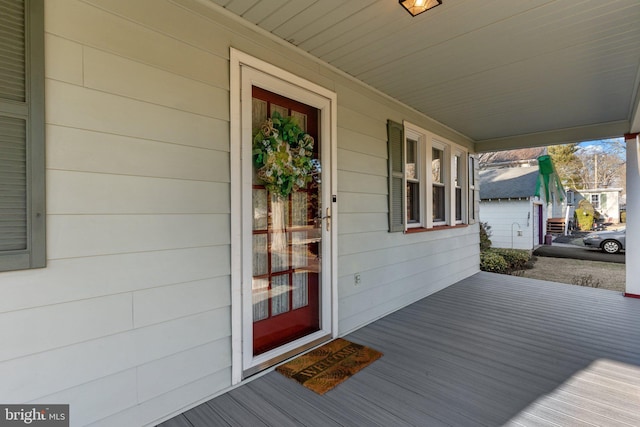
633 213
610 208
130 321
505 218
395 268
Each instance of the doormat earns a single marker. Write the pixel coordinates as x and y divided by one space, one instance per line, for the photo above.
325 367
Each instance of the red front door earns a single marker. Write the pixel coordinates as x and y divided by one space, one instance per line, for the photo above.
287 244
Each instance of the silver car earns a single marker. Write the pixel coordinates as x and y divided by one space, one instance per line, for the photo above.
609 241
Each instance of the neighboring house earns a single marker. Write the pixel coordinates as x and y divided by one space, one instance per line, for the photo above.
508 204
606 201
513 200
511 158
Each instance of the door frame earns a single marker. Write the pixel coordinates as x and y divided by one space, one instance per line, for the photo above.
246 71
538 216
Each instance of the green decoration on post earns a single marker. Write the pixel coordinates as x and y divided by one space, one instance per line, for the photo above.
548 179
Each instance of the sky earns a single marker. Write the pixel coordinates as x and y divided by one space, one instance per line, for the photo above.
603 146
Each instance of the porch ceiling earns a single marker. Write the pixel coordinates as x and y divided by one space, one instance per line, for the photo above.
504 73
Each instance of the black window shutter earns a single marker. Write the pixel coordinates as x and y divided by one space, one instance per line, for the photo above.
395 134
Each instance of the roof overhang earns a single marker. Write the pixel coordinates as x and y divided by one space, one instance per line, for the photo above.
553 137
505 74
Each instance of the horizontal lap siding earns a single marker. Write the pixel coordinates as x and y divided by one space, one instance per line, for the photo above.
72 149
392 277
505 218
134 303
73 365
392 266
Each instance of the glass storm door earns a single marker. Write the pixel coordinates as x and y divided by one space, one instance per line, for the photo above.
287 239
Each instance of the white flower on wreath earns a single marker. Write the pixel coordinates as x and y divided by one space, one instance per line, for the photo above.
283 165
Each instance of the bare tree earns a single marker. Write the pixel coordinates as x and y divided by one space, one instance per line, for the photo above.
603 165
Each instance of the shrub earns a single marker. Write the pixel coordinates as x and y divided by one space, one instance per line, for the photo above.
505 261
584 215
493 262
586 280
485 233
516 259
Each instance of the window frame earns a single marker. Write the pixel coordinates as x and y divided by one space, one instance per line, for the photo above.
443 183
32 112
473 198
425 143
458 184
414 133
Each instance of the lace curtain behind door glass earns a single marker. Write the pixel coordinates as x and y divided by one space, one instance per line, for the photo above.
280 241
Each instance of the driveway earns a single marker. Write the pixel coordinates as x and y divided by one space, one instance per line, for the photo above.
578 252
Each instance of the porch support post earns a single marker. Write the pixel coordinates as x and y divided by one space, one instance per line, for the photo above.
633 218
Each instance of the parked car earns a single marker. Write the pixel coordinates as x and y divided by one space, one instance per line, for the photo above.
609 241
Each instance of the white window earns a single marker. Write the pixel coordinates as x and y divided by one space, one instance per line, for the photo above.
474 191
457 169
413 176
427 179
595 201
412 180
438 184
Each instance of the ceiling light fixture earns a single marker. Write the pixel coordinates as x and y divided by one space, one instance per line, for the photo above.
416 7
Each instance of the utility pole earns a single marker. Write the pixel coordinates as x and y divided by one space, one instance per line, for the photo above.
595 172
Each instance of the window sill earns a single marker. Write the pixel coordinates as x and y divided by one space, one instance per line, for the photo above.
437 228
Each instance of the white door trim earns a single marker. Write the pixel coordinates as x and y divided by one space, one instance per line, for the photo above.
246 71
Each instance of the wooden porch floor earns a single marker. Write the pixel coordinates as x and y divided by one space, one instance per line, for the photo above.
490 350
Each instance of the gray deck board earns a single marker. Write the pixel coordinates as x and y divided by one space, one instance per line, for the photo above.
255 403
203 415
490 350
579 412
232 412
178 421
